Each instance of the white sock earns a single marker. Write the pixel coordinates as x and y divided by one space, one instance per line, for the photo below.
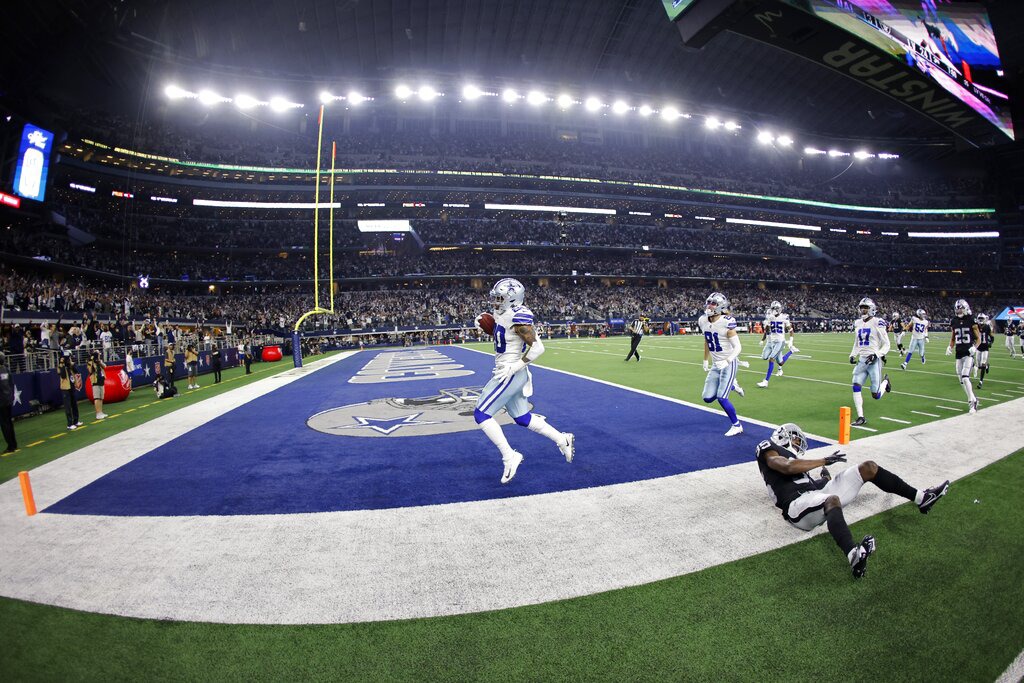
539 425
858 402
968 387
493 431
918 497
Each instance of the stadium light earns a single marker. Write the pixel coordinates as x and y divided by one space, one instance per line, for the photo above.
509 95
247 101
620 107
645 110
173 92
326 97
593 104
472 92
670 113
886 155
403 92
837 153
732 125
711 123
565 101
280 104
784 140
813 151
536 98
861 154
355 98
427 93
765 137
210 98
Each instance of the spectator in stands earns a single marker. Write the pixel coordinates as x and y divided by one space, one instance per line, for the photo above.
6 403
98 378
67 374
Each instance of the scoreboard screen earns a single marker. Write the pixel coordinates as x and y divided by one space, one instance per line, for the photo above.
33 162
676 7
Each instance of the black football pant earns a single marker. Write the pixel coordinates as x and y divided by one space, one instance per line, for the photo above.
7 426
70 406
634 342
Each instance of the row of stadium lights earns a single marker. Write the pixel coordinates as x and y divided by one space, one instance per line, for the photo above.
510 96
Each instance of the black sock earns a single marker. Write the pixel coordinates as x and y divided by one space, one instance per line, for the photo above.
890 483
839 530
981 373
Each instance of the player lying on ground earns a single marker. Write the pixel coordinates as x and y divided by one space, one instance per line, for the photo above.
807 503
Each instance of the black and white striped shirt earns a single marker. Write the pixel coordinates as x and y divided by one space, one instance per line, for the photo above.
637 327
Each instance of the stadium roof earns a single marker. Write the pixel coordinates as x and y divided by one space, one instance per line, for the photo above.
116 51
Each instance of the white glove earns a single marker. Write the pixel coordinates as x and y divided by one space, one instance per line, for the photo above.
743 363
789 343
760 342
949 350
721 364
707 366
503 372
972 350
926 340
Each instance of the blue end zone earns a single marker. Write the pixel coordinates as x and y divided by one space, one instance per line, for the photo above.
263 458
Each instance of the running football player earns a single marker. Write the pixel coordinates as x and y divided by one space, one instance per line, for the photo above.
515 346
721 352
964 338
870 344
918 336
897 331
776 324
986 337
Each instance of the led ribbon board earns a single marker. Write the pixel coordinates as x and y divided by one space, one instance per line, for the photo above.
33 162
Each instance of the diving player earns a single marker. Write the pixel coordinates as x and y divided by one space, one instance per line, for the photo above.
985 340
776 324
897 331
515 347
721 351
870 344
918 336
964 337
807 503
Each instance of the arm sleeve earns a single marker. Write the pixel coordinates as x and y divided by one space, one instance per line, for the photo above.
736 348
883 335
535 351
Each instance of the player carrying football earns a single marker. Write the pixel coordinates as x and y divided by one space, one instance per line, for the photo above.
515 346
870 344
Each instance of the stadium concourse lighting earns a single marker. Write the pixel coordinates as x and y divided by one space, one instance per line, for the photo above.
711 123
427 93
247 101
403 92
509 95
814 151
536 98
280 104
210 98
620 107
565 101
645 110
355 98
670 113
173 92
765 138
471 92
837 153
732 125
592 104
861 154
784 140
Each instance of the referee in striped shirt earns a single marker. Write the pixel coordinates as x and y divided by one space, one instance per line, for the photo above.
637 329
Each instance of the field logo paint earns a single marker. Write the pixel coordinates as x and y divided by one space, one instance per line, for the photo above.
406 366
447 412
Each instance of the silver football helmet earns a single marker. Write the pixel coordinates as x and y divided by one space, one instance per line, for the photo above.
716 304
895 315
961 307
981 319
507 293
790 436
775 308
868 304
921 313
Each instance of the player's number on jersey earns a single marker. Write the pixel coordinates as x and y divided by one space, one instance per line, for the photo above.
864 336
918 327
777 328
962 335
712 339
499 339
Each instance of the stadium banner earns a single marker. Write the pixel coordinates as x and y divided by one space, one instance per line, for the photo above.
1015 311
802 27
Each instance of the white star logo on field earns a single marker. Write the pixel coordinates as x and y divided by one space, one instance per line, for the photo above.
396 423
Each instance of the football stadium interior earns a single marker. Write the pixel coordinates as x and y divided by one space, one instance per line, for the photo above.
512 340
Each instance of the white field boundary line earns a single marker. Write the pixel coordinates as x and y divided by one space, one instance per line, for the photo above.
757 372
996 393
705 408
955 410
1015 672
866 429
893 419
439 560
921 412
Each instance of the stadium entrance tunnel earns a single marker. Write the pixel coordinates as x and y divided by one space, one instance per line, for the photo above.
395 429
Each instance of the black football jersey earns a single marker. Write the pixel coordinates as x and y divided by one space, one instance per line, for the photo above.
985 332
962 338
783 488
1012 327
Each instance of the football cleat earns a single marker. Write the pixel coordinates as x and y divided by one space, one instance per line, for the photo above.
569 447
763 383
887 383
511 465
931 496
859 561
739 390
922 360
734 430
779 373
903 366
972 407
860 421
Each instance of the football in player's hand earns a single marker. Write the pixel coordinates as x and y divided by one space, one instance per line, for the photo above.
485 323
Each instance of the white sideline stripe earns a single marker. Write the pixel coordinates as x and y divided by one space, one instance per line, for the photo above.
866 429
671 399
1001 395
1015 672
893 419
955 410
440 560
758 372
921 412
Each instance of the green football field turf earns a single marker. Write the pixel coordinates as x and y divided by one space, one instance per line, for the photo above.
942 599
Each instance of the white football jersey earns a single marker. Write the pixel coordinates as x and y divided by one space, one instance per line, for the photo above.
715 334
509 346
775 326
918 328
870 336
